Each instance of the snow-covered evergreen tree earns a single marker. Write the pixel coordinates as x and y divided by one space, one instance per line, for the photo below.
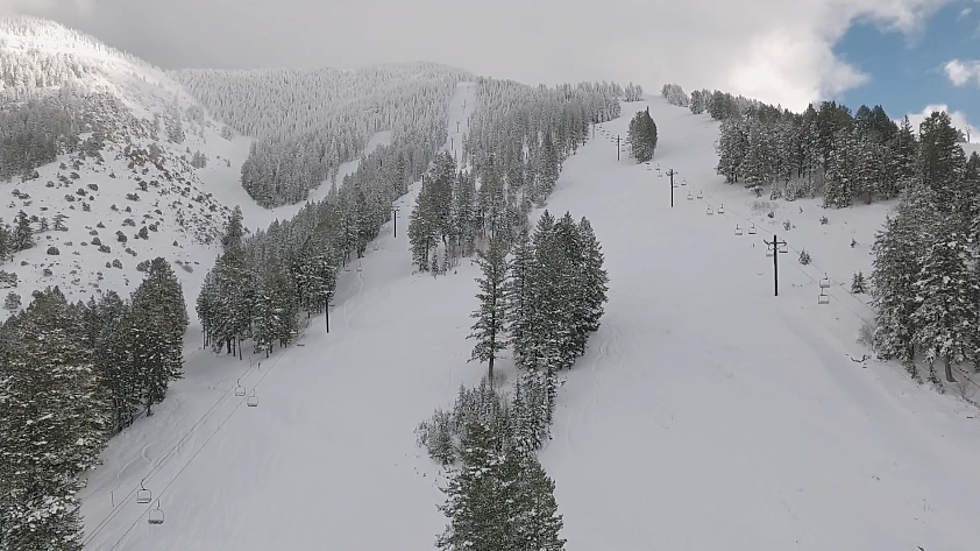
52 427
946 292
896 272
157 331
642 136
491 315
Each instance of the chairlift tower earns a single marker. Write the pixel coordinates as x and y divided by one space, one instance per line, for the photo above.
774 249
394 219
671 173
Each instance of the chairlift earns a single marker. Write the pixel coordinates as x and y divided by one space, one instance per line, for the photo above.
359 267
143 495
752 229
710 212
346 268
375 246
700 195
689 196
738 230
156 515
721 209
823 297
252 401
683 181
825 282
239 389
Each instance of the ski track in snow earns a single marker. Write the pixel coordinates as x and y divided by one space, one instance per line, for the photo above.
706 414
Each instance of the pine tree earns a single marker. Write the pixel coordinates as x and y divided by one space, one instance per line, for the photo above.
23 235
519 295
947 313
536 521
941 160
107 324
275 312
476 496
6 245
157 332
905 153
234 231
858 284
52 427
642 136
897 266
491 315
594 276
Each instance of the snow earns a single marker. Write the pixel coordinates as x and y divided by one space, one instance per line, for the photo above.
707 414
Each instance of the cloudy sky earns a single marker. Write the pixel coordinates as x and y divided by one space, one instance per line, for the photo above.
905 54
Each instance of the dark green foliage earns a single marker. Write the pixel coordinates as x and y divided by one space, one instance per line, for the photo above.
556 296
23 234
52 425
490 316
897 266
642 136
946 294
499 499
859 284
159 319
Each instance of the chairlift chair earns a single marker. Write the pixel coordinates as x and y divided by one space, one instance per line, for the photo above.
700 195
752 229
825 282
239 389
738 230
721 209
155 515
710 212
689 196
359 267
346 268
252 401
823 297
143 495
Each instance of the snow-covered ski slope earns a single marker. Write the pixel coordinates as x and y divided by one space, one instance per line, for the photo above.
327 448
706 415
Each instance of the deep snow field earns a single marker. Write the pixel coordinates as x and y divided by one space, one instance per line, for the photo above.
707 414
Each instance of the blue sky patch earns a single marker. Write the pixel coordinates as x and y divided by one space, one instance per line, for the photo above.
907 71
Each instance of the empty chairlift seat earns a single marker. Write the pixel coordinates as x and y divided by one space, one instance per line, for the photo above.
155 515
823 297
143 495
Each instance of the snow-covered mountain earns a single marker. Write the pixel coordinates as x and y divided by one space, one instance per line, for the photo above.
706 413
131 175
138 167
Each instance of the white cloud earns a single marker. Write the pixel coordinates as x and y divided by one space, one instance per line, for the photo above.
45 7
774 50
962 72
957 118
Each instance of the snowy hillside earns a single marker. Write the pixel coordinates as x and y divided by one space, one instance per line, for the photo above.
707 414
139 184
